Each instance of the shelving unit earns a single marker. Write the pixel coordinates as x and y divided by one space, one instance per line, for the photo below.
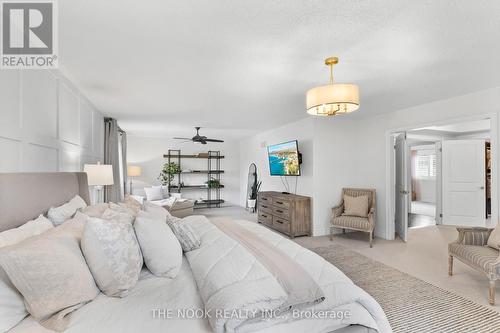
213 171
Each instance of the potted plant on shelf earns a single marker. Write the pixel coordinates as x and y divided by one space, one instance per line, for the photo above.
252 199
168 172
213 183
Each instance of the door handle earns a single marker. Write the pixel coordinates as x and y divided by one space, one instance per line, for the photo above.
404 192
481 188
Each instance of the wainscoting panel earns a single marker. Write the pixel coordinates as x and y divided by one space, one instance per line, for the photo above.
39 102
11 155
69 115
46 124
38 158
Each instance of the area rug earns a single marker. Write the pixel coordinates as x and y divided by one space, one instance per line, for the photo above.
412 305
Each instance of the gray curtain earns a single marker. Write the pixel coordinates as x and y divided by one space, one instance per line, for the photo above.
113 192
124 162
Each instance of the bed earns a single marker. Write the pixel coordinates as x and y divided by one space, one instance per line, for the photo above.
152 304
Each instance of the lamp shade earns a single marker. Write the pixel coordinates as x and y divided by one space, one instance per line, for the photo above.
134 171
332 99
99 174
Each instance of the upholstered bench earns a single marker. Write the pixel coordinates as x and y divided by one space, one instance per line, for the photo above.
471 248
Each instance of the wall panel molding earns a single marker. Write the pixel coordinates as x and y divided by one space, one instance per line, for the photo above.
46 123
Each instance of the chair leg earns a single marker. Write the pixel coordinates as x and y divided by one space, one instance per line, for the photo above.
492 292
343 231
331 234
450 265
371 238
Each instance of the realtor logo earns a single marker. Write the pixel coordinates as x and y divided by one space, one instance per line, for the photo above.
29 35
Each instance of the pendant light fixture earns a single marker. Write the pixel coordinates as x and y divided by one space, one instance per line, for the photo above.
334 98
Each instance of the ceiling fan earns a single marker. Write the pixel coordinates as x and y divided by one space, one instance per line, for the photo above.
200 138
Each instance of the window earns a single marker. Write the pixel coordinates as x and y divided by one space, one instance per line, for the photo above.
425 166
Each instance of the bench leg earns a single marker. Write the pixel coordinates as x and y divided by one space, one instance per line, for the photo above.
343 231
371 238
492 292
450 265
331 233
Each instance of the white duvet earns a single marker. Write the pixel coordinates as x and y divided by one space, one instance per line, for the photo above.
154 303
229 277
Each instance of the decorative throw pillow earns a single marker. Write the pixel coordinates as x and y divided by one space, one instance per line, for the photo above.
356 206
113 255
184 233
29 229
160 248
95 210
64 212
12 309
132 203
153 193
494 239
161 212
120 213
50 272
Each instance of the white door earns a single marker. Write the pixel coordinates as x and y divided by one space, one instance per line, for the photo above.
401 186
463 174
439 183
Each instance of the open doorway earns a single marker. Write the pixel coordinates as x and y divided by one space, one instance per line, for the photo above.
442 174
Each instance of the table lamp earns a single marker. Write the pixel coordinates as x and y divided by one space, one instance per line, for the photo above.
133 171
99 175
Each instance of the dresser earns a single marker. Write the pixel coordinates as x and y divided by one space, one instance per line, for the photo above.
289 214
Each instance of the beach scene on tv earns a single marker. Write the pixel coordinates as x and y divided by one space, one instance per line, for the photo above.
284 159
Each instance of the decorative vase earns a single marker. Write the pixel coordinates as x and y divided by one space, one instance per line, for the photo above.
251 203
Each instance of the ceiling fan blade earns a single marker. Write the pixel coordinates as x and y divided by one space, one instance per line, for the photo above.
183 139
214 140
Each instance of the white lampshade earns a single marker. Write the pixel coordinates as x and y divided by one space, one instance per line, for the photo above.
99 174
134 171
332 99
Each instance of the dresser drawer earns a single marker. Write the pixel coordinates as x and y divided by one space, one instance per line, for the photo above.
265 199
281 212
281 225
265 207
265 218
278 202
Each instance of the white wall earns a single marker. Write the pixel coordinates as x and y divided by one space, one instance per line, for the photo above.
46 124
351 151
148 153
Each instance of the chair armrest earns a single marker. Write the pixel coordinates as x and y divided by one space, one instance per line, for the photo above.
473 236
337 210
371 216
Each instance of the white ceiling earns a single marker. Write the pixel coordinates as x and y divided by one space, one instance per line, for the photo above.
237 67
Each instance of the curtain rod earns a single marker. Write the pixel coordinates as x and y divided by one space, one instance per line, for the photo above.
107 119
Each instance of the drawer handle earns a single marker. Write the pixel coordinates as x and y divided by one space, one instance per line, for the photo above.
281 222
279 210
279 202
264 206
263 215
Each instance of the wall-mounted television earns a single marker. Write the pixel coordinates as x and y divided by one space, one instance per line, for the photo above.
284 159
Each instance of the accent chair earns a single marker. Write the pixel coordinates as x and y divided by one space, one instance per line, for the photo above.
340 220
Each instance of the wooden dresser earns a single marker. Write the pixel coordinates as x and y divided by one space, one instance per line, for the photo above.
286 213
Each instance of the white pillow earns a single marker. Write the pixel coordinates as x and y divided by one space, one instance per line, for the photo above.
95 210
64 212
153 193
118 215
160 248
113 255
50 271
159 211
29 229
12 309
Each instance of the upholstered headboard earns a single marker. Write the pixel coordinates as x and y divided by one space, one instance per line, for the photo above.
24 196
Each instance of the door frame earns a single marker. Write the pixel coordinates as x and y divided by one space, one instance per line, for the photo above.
390 165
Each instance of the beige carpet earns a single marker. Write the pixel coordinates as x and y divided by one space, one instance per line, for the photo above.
412 305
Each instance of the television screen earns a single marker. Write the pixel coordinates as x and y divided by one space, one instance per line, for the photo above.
284 159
